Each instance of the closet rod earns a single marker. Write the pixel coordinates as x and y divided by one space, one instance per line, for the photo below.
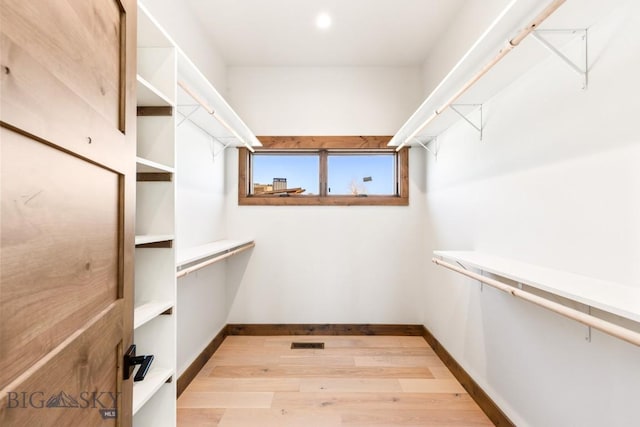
211 111
208 262
533 25
584 318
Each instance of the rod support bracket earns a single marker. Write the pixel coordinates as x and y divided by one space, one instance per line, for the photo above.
432 150
479 126
582 67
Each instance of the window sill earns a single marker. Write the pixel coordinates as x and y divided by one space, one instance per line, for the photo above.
323 201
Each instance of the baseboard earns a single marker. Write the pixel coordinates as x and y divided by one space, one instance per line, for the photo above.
190 373
324 329
488 406
493 412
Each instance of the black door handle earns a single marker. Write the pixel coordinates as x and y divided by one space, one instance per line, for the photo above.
131 360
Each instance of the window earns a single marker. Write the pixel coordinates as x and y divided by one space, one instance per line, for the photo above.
363 174
323 171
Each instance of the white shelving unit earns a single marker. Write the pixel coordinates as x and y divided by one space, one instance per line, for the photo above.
163 105
476 78
154 398
613 298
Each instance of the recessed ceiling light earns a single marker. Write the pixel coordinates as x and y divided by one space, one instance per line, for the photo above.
323 21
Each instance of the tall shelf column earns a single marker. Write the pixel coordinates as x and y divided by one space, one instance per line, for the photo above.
154 398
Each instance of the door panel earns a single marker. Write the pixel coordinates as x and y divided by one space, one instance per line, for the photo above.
75 385
77 42
68 95
59 248
67 189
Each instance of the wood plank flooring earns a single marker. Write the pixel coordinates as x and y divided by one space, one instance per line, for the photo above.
355 381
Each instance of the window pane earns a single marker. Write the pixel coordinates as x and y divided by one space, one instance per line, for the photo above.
279 172
359 174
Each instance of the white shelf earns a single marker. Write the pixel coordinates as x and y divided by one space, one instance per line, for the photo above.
149 96
144 390
521 60
149 311
194 254
148 166
621 300
155 238
198 83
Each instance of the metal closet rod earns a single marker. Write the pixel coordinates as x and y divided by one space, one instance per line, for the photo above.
211 111
535 23
584 318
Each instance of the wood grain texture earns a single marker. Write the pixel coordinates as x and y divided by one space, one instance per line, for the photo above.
250 382
483 400
154 111
323 329
89 357
59 248
154 177
67 113
324 142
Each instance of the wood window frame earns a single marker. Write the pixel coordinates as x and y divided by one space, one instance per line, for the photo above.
319 143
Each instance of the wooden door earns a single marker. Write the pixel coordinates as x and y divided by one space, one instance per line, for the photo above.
67 148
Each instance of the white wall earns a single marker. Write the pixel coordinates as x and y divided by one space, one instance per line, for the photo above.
183 27
323 264
555 182
471 21
324 100
200 218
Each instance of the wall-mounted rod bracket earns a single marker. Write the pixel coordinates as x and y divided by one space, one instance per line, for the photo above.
186 117
432 150
582 69
479 127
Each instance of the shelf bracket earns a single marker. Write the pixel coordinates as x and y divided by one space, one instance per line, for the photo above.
188 115
583 70
436 146
480 127
185 117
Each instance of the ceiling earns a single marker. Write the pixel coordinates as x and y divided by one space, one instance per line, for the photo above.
363 32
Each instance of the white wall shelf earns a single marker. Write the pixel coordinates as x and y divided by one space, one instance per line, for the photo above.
200 103
478 76
153 238
144 390
148 166
149 96
150 310
613 298
623 301
194 258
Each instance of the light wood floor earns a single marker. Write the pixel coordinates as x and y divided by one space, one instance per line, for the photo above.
355 381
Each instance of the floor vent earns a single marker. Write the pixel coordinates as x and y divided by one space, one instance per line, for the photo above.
306 345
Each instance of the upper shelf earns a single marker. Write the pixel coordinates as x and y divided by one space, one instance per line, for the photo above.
200 103
194 258
477 76
149 96
623 301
